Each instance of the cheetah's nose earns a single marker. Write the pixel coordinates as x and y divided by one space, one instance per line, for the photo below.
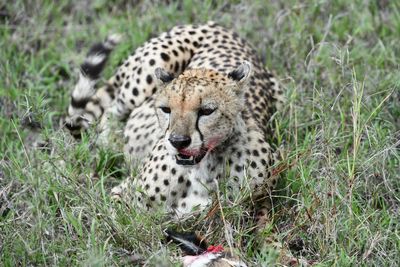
180 141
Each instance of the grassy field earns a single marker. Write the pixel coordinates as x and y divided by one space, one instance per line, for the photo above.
338 203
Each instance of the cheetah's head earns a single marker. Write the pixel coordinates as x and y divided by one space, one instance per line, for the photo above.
199 109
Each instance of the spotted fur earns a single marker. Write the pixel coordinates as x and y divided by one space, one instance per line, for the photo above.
198 102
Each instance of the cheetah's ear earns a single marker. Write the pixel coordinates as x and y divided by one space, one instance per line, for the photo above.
241 74
163 77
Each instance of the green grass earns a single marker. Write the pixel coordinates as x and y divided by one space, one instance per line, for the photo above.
338 203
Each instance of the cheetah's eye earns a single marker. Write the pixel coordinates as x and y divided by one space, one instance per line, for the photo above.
206 111
165 109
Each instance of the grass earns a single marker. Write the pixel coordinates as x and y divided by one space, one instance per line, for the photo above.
338 203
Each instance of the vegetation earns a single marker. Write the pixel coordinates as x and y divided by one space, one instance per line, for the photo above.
338 202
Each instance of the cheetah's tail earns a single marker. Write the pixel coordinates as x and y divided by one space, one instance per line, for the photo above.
79 114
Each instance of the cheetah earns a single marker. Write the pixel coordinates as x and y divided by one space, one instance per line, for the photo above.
197 102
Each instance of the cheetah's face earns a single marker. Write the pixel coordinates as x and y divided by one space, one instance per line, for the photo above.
198 110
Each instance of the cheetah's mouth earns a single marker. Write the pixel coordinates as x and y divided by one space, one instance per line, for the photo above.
183 159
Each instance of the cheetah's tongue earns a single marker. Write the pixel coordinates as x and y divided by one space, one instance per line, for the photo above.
190 152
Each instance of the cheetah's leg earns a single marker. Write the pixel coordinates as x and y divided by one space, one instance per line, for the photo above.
263 182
